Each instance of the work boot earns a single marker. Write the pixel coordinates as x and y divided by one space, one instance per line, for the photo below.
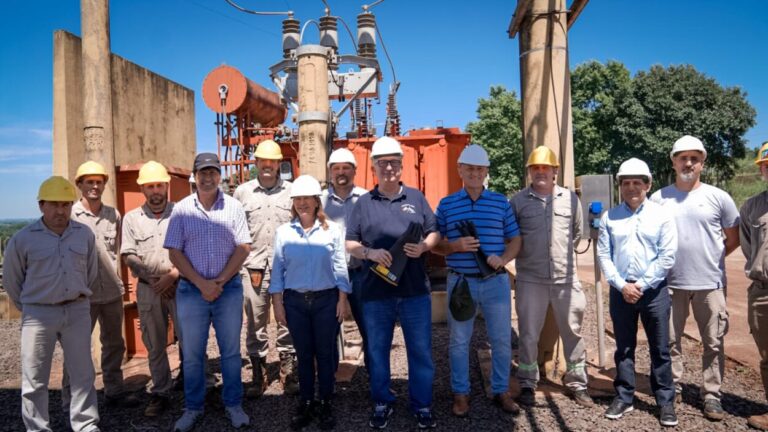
122 400
527 396
303 416
288 375
157 404
581 397
460 406
325 418
260 380
713 410
759 422
505 402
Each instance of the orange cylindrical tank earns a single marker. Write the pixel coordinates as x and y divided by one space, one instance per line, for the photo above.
242 96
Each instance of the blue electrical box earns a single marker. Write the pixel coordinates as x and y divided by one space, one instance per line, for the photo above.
596 196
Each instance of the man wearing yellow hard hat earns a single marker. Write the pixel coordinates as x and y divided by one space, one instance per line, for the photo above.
267 203
142 249
549 217
107 298
48 270
754 244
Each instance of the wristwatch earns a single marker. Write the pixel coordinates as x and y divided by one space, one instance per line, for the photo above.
365 252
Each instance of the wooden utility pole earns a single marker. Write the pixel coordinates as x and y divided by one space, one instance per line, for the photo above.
314 106
546 102
97 91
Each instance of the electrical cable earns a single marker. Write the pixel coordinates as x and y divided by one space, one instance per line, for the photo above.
386 53
589 242
354 43
242 9
304 27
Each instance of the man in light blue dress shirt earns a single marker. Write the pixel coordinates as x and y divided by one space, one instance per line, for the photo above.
636 249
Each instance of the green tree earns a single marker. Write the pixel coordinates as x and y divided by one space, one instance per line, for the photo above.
498 130
667 103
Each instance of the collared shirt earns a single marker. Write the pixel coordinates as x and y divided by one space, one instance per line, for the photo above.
377 222
700 216
41 267
265 210
106 227
207 237
309 261
339 210
637 245
753 232
493 217
551 229
144 235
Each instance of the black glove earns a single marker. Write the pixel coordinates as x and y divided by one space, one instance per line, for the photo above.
393 273
467 229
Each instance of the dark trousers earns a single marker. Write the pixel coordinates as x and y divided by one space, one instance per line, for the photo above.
313 326
653 308
356 277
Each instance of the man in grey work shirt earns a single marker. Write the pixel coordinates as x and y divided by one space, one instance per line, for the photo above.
338 201
549 218
48 268
142 249
267 204
707 230
107 298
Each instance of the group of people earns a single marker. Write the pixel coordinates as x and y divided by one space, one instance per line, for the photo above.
312 255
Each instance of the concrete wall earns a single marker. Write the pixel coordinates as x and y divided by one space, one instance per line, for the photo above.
153 117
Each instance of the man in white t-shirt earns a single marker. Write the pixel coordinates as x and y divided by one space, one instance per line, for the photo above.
708 230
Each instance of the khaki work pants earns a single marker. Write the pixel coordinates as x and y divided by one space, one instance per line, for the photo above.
110 319
568 304
41 327
256 303
757 313
154 311
712 319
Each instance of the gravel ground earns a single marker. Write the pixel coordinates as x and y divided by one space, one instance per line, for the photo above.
742 396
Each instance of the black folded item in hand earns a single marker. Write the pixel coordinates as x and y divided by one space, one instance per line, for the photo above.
392 274
467 229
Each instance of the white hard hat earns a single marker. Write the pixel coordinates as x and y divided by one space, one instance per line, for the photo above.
686 143
386 146
305 185
342 155
473 154
633 167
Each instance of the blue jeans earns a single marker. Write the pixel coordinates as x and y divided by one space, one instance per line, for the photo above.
356 305
653 308
415 314
195 318
313 326
494 298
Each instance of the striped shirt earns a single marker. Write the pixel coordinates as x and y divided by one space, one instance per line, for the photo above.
207 237
493 217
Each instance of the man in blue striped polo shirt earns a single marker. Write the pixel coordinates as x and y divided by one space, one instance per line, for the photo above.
498 237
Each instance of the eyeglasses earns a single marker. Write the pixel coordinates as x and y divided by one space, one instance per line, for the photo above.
395 164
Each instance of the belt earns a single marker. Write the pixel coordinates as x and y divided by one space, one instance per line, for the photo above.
144 281
479 275
310 295
66 302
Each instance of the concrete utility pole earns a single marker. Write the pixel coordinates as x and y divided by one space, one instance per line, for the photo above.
546 102
97 91
313 110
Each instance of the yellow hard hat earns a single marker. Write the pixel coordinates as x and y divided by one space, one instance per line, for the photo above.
153 172
56 188
762 155
542 155
268 150
91 168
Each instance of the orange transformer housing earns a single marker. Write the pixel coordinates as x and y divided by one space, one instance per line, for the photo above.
129 197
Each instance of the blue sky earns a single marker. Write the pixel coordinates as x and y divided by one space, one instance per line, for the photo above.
447 53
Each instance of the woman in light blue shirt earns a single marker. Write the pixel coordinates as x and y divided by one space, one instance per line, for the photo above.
309 290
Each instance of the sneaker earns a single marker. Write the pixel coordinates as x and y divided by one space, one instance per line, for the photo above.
667 416
187 420
326 419
303 416
122 400
713 410
581 397
237 416
425 418
157 404
380 416
527 397
618 409
505 402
